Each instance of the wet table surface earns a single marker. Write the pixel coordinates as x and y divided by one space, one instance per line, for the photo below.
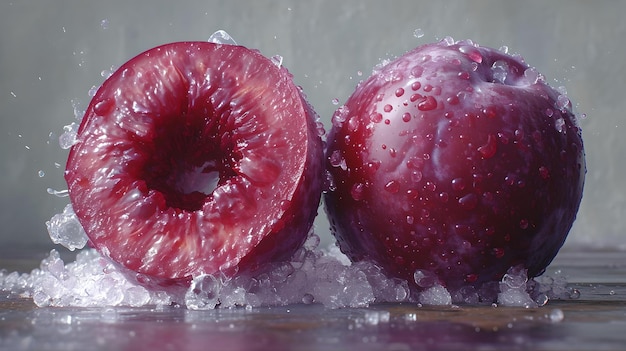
595 321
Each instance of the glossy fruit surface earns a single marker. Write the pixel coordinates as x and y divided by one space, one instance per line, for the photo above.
195 158
455 160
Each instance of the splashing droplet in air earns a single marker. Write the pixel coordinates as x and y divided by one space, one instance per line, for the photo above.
68 138
418 33
58 193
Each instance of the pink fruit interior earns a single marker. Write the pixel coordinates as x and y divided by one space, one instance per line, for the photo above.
190 156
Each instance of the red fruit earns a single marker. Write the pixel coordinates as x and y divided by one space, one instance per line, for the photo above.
196 158
454 159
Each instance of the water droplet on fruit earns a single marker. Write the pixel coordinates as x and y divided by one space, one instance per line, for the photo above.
221 37
448 40
443 197
103 107
376 117
430 186
340 116
544 172
429 103
531 75
399 92
498 252
406 117
562 101
453 100
471 278
357 191
469 201
523 223
416 86
388 108
336 160
372 167
319 127
392 186
416 72
92 91
472 53
458 184
353 124
489 149
500 70
464 75
558 124
416 176
410 219
335 101
329 183
549 112
415 97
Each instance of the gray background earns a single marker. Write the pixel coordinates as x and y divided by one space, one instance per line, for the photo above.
53 52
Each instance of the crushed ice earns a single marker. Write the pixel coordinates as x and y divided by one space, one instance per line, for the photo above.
314 275
65 229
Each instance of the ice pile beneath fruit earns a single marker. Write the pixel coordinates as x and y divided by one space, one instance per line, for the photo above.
313 275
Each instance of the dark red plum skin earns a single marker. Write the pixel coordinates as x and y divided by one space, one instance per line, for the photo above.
455 159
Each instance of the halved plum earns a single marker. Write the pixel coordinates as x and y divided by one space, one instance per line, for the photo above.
197 158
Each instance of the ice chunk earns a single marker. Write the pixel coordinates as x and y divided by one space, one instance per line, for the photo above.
65 229
513 289
203 293
436 295
221 37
